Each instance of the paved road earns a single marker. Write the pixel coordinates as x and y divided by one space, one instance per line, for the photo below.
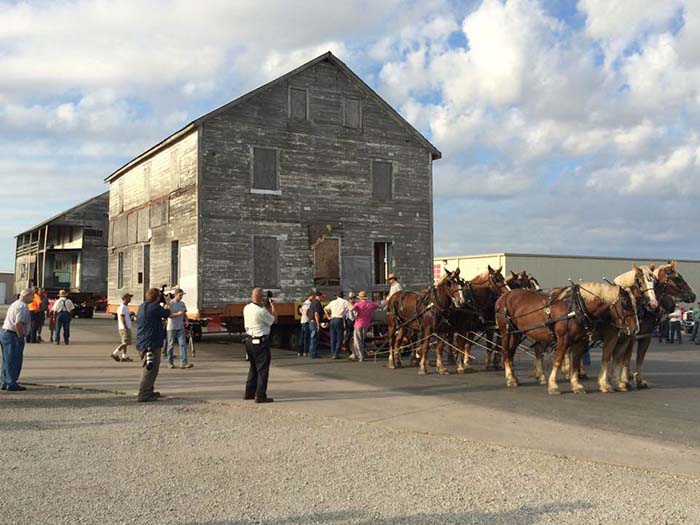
653 429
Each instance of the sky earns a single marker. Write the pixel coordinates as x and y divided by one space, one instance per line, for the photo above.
565 126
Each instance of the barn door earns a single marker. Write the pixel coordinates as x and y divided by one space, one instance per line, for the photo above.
327 262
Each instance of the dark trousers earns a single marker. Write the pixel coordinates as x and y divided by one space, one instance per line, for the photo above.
336 335
148 377
675 327
62 323
259 358
12 357
663 330
348 334
696 325
33 327
40 323
305 338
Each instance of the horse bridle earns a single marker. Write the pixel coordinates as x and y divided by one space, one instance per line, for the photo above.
621 314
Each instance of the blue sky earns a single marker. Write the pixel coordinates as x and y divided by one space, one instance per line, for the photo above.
566 126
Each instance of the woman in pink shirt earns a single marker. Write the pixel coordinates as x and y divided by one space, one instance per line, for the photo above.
363 310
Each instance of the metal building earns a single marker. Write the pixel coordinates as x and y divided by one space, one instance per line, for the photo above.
68 251
311 179
556 270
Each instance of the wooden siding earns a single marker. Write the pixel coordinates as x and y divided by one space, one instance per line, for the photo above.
158 205
325 178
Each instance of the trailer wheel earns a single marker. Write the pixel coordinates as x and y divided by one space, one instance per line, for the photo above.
197 333
294 339
277 338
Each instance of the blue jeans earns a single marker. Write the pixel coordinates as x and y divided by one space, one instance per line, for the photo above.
313 339
586 358
336 335
33 327
304 339
178 334
62 322
12 356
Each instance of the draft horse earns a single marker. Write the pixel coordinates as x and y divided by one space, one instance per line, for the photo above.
411 314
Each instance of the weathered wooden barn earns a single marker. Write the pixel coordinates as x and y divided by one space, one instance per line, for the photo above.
311 179
68 251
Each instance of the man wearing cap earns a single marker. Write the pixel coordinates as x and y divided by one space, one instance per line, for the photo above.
363 310
304 324
176 329
315 316
63 308
337 311
12 338
124 327
395 285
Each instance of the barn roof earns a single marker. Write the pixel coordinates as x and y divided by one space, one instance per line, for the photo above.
328 56
104 195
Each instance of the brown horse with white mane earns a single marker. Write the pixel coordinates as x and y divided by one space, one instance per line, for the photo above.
565 316
668 287
410 314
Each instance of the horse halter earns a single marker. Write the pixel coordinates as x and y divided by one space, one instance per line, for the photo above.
495 286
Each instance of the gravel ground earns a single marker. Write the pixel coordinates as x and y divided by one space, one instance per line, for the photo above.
85 457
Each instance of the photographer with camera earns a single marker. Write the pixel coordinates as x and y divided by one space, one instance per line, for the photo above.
149 340
258 318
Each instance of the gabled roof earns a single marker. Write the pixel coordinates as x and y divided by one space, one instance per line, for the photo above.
66 212
330 57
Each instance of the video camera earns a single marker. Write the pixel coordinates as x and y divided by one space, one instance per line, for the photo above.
164 294
268 299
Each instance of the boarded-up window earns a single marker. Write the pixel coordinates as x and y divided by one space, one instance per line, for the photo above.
297 104
264 169
381 180
120 271
174 170
265 262
159 214
383 261
327 262
352 113
174 263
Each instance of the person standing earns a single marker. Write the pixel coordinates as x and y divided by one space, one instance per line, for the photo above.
363 319
149 341
674 322
124 327
395 285
315 316
336 311
52 319
258 319
696 323
12 339
43 309
63 308
304 324
176 330
35 313
349 324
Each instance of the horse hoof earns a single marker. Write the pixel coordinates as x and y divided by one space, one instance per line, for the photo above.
606 389
512 384
553 391
443 372
460 370
579 390
422 372
392 365
622 387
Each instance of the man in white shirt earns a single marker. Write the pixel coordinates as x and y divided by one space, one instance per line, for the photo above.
337 311
395 285
258 319
674 321
63 308
124 327
305 334
12 338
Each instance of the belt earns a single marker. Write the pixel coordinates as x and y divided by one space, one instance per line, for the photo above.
11 331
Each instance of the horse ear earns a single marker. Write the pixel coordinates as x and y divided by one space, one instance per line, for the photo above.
673 265
499 269
652 267
514 274
456 272
490 269
636 268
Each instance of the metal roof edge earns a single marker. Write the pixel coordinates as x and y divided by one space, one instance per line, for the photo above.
563 256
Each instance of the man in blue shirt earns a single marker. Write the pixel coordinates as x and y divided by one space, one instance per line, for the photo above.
149 341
